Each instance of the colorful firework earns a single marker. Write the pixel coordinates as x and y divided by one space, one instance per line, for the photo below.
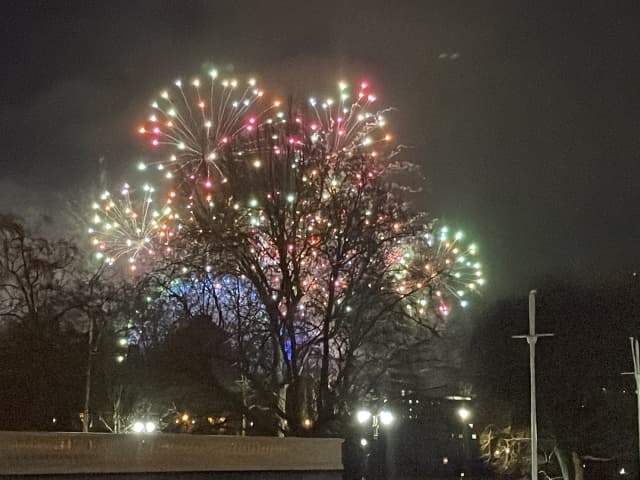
217 132
127 227
199 122
347 124
339 128
437 268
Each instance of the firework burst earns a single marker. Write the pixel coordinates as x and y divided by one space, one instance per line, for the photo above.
437 268
124 226
347 124
199 121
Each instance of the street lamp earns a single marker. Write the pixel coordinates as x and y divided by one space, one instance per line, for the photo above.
386 417
363 416
383 417
375 459
144 427
464 414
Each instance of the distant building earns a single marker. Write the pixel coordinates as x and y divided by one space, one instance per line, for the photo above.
433 435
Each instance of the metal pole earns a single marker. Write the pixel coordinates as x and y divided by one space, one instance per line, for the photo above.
531 340
635 353
376 426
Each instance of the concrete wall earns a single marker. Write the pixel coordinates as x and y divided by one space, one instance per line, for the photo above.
31 453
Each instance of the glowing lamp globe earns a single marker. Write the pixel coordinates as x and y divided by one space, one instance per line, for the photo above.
386 417
363 416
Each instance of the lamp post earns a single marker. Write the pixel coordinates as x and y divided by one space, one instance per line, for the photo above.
375 420
383 417
465 414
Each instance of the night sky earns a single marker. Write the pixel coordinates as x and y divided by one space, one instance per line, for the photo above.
524 115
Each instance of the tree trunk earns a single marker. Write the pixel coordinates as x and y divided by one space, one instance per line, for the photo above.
280 386
282 407
87 395
577 466
564 463
324 406
87 381
323 394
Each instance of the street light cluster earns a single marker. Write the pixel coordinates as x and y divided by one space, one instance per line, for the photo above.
384 417
374 420
144 427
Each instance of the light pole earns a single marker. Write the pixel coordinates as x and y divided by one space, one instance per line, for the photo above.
382 418
464 414
532 337
635 354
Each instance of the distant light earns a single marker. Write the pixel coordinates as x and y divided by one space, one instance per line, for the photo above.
185 417
138 427
386 417
123 342
363 442
307 423
120 358
458 398
363 416
445 460
150 427
464 413
622 471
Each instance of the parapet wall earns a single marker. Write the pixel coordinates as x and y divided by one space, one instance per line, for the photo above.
35 453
